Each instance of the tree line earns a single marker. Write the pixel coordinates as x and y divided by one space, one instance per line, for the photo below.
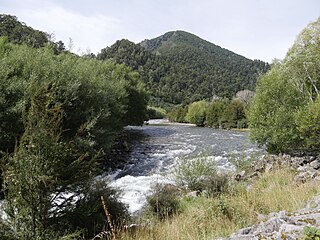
223 113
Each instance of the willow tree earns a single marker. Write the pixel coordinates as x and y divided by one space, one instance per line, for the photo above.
286 95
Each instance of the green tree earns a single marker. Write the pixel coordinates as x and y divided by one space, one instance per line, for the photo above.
42 169
214 114
197 113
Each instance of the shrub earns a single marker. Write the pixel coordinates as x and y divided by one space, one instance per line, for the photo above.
214 114
216 184
178 114
197 113
156 112
164 201
311 233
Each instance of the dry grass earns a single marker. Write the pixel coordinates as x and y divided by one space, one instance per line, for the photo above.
208 218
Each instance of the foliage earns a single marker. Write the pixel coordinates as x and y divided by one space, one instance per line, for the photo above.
233 115
59 115
219 216
287 95
197 113
181 68
42 168
307 121
218 114
156 113
193 173
214 114
311 233
88 214
164 201
178 114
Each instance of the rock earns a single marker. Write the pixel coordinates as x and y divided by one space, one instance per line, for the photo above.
192 194
283 225
268 167
305 173
315 164
240 176
314 203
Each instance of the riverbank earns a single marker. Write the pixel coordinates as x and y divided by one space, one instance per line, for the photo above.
268 194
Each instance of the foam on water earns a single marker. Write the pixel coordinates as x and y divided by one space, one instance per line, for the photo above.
136 189
154 157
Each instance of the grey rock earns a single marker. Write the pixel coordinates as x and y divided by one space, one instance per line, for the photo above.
315 164
192 194
283 224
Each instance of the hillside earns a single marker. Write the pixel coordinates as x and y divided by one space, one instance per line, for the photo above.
179 67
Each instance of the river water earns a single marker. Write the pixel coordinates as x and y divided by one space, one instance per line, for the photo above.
161 144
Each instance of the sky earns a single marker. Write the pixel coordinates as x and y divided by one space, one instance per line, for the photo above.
256 29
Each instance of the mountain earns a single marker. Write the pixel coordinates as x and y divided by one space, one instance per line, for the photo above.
179 67
19 33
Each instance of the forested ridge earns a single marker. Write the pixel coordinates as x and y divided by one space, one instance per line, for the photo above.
180 68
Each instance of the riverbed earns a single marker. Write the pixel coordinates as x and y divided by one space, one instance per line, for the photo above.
153 156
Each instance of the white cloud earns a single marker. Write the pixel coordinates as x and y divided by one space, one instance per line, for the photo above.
257 29
93 32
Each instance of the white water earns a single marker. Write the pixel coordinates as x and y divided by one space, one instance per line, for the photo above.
153 157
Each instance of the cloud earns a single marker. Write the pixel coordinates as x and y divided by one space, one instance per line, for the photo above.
87 32
256 29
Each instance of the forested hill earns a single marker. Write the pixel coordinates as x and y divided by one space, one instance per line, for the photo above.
179 67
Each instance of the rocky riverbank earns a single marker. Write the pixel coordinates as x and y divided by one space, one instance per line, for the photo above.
284 224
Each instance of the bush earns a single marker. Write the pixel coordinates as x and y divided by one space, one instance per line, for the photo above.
192 173
178 114
214 114
156 112
197 113
164 201
311 233
284 113
216 184
88 214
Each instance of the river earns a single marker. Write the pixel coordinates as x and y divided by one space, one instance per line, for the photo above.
161 144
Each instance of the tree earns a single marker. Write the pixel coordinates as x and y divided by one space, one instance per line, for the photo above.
197 113
42 170
214 114
284 112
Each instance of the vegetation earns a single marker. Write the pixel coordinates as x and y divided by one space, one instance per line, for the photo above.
285 112
164 202
18 33
204 217
156 113
311 233
60 115
181 68
218 114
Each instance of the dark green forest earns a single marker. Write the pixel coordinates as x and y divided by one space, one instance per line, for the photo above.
181 68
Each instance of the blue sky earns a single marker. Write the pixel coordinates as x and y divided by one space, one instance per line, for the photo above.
257 29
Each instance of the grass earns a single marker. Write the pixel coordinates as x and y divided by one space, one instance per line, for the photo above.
208 218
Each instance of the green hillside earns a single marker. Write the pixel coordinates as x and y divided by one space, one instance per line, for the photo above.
179 67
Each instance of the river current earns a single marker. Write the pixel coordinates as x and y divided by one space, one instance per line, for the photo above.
161 144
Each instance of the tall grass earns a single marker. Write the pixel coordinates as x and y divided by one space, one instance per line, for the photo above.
208 218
